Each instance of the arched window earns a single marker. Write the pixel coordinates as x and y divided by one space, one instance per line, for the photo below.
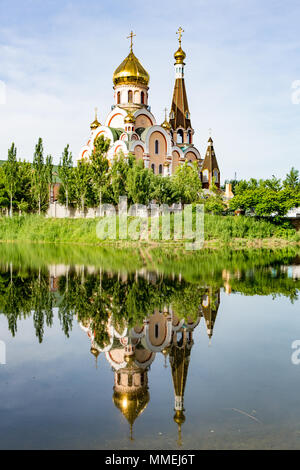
180 136
119 379
156 145
216 176
130 96
118 97
129 380
205 176
156 330
189 137
160 169
142 97
153 167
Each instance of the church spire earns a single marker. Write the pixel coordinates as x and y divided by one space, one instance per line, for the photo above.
180 114
210 169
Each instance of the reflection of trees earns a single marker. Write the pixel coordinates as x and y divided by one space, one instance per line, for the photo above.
127 299
23 293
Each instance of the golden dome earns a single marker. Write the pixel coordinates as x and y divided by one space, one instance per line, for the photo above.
179 56
131 71
129 119
166 125
95 124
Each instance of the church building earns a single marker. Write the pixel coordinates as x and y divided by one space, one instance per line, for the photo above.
132 128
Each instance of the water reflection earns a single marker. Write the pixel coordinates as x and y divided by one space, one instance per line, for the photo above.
131 318
131 350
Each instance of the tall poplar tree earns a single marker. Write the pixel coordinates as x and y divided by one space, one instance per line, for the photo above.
65 169
11 175
100 166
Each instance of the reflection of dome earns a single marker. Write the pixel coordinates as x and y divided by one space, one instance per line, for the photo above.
179 56
131 404
95 352
179 417
131 71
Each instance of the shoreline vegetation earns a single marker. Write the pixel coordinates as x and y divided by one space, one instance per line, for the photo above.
231 231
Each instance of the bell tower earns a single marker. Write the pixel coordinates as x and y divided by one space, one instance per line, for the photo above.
180 119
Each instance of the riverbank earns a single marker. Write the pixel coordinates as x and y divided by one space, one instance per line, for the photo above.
218 231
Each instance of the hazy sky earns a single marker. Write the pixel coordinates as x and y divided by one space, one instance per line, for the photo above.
57 59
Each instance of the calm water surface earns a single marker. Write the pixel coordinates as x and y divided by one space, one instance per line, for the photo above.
149 351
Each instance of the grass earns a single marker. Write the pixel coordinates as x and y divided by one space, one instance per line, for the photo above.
227 230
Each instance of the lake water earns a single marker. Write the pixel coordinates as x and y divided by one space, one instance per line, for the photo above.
149 349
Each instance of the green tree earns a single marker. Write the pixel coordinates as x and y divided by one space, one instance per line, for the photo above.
100 166
118 175
187 183
65 169
82 178
292 180
164 190
11 172
39 176
139 183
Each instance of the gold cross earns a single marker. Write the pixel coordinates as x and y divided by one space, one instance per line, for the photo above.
166 110
96 112
131 36
179 32
210 131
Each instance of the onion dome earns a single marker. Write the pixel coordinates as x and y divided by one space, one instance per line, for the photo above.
95 124
129 119
131 71
166 125
179 56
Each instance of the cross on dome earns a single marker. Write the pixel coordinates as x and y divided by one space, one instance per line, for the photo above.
131 36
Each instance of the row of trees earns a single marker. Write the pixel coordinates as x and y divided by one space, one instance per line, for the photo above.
267 197
27 187
95 181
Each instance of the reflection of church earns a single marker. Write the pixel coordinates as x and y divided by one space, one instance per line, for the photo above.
131 352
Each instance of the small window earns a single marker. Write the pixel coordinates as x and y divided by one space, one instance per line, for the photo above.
119 379
129 380
189 137
216 176
142 97
156 147
153 167
118 97
180 136
130 96
160 169
156 330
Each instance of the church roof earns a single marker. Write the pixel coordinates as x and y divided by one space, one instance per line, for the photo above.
131 71
180 107
210 160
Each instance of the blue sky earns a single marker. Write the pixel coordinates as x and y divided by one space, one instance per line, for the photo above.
57 59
